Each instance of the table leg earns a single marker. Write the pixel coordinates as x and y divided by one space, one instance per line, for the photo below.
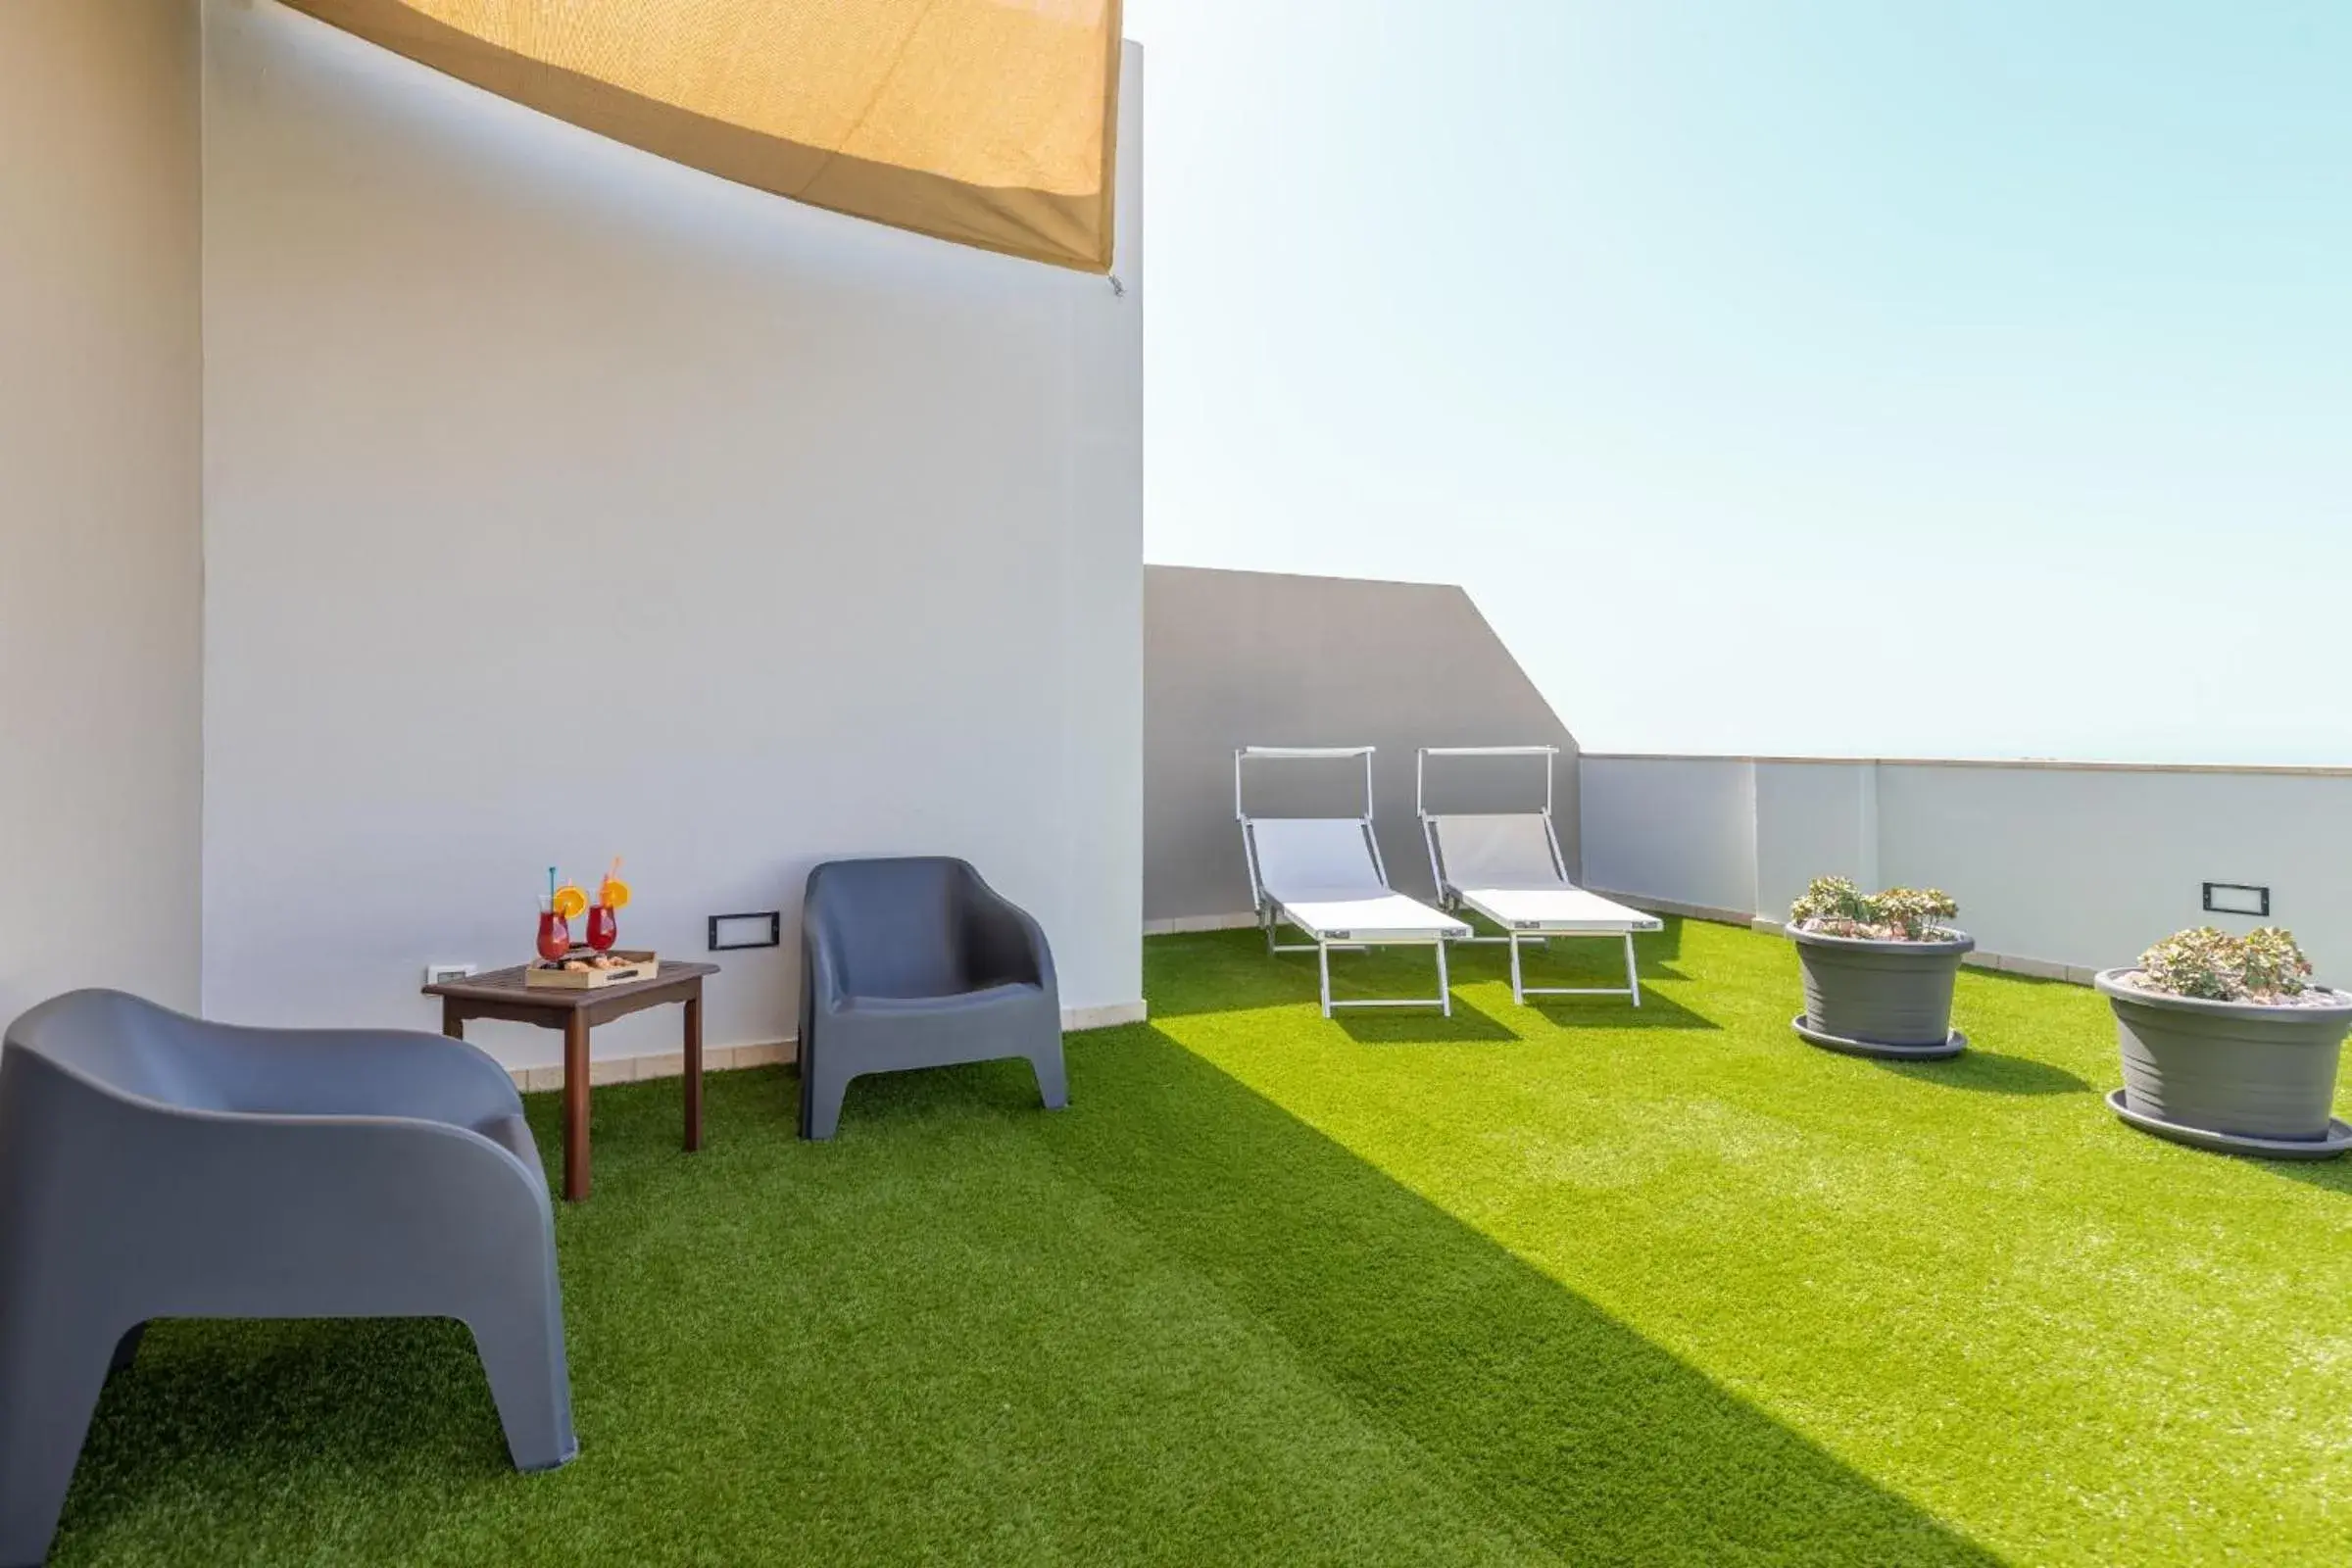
453 1022
576 1106
693 1068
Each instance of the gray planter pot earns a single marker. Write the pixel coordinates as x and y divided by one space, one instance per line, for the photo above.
1881 999
2237 1076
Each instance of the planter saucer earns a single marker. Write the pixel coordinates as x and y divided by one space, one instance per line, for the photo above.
1942 1050
2337 1141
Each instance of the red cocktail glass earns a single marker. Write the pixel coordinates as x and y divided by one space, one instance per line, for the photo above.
554 935
604 927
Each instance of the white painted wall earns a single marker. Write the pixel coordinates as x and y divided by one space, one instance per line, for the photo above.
1813 820
100 553
2087 868
2071 867
1682 830
843 525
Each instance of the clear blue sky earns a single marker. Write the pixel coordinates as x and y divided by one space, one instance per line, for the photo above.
1999 352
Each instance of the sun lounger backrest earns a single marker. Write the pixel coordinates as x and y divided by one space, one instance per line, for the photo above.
1302 855
1503 850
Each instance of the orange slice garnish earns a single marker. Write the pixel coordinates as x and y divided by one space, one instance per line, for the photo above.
570 902
612 892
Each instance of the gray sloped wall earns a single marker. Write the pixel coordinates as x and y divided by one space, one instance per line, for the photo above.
1244 658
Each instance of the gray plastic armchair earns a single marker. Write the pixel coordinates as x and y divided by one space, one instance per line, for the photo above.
153 1165
918 962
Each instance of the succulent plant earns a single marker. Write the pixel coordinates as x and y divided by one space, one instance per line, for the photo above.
1834 907
2274 965
2204 962
2264 965
1828 898
1918 913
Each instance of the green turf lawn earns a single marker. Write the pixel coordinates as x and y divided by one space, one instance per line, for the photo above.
1573 1283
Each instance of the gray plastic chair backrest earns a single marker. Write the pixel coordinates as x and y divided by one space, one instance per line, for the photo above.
895 926
126 1047
126 1044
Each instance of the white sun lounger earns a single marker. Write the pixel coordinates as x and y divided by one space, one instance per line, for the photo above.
1323 875
1507 867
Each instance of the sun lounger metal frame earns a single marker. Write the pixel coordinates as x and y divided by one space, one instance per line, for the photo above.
1495 903
1312 915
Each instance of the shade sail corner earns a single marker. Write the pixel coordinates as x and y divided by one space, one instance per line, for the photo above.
982 122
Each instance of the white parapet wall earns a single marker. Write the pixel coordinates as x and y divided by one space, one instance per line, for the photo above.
2060 869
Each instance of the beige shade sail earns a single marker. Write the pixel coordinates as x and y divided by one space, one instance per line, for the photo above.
989 122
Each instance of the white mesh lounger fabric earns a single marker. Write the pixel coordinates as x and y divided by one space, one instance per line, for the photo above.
1323 876
1507 867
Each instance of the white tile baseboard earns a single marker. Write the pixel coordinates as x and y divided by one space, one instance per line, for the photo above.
1075 1020
658 1065
1177 925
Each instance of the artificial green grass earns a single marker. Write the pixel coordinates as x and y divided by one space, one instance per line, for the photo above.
1556 1284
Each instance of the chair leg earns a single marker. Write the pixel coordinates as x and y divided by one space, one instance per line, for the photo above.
1053 1078
1323 968
821 1091
805 1068
1445 986
520 1337
1518 987
49 1386
1633 972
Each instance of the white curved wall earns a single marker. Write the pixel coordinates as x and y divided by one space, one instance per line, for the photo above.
100 556
844 523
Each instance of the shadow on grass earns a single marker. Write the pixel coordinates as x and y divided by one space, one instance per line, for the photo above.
1230 971
2332 1175
1988 1072
2329 1175
1563 961
1422 1026
1657 1012
1661 947
1594 1443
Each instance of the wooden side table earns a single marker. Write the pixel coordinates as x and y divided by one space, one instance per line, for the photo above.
502 995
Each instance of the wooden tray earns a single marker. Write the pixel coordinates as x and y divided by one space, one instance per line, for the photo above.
636 965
